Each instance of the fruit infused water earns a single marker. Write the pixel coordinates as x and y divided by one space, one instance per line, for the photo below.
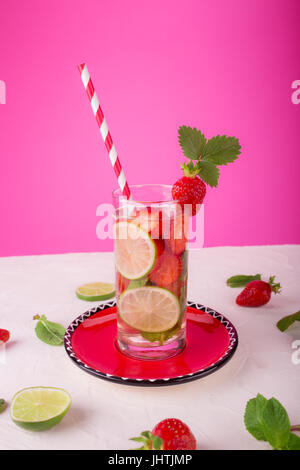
150 246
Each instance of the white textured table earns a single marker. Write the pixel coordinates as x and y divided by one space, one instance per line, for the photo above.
104 415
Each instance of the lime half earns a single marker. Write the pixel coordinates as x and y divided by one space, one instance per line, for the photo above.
149 309
95 291
39 408
135 251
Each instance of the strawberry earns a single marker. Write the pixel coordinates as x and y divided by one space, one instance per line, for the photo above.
4 335
189 190
257 293
121 283
175 288
167 270
204 157
169 434
160 248
150 220
178 229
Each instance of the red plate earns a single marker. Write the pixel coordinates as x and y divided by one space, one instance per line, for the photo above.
90 343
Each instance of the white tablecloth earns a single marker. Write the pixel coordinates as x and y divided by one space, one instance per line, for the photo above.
104 415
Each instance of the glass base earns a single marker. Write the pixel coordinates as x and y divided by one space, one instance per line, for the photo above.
138 348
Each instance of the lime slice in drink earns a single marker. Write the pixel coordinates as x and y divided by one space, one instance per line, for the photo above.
39 408
149 309
95 291
135 251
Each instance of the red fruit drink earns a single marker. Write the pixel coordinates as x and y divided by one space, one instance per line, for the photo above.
150 245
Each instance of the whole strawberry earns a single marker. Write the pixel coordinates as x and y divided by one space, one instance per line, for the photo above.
189 190
4 335
169 434
257 293
205 156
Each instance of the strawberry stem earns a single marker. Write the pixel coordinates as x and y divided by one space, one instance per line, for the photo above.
149 441
190 170
275 286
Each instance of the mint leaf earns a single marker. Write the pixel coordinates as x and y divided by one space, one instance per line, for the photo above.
2 405
268 420
49 332
293 442
191 141
276 424
287 321
161 337
208 172
135 283
241 280
253 417
221 150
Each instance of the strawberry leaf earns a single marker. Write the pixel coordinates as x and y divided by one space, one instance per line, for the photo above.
221 150
191 141
157 443
208 172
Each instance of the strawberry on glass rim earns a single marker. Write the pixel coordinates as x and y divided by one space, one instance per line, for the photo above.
204 158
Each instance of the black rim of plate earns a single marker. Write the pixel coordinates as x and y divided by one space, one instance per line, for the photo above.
233 343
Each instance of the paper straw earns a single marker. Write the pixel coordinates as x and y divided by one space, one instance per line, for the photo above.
98 113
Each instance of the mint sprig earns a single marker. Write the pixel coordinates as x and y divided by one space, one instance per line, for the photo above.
267 420
49 332
207 154
287 321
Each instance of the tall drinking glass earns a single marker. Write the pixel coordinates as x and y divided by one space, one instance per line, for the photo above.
150 246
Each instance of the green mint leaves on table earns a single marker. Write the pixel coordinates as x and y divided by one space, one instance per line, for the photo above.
2 405
241 280
49 332
207 154
267 420
287 321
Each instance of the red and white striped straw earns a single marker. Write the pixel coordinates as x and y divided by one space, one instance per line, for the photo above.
112 153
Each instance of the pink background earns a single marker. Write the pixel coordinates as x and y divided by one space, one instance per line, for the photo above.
222 66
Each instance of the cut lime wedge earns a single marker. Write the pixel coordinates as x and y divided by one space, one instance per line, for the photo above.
39 408
135 251
149 309
95 291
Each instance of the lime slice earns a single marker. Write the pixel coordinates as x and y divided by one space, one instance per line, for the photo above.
39 408
135 251
149 309
95 291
